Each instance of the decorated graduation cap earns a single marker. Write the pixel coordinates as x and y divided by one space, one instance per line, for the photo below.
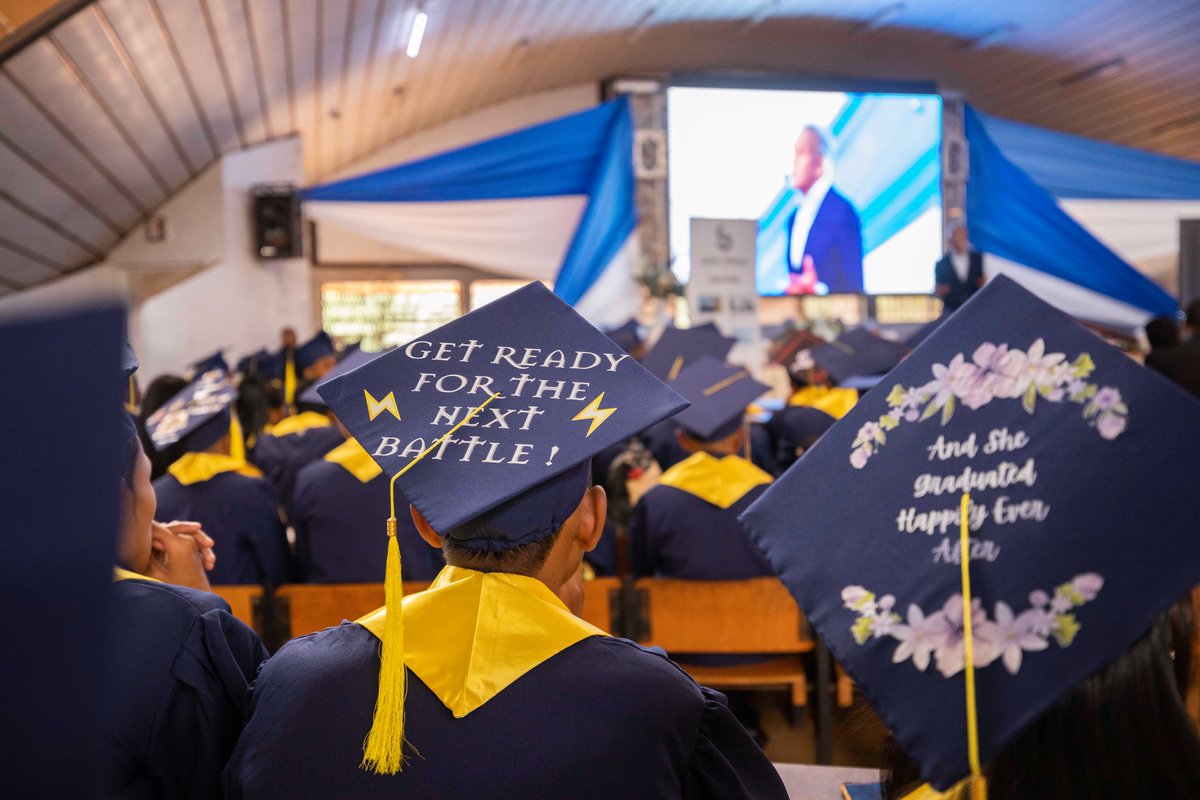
718 393
678 347
318 347
198 416
858 352
351 360
792 350
491 419
1012 441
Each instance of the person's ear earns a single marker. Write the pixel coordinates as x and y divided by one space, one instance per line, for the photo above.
688 444
427 533
592 525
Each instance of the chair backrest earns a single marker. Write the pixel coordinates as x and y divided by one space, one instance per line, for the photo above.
241 600
315 606
748 616
597 608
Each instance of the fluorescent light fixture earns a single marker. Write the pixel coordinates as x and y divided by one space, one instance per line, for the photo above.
416 34
1105 69
991 37
881 18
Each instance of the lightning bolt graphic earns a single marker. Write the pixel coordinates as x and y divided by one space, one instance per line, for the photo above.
377 407
592 411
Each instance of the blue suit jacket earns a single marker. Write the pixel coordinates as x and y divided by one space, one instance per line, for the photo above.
835 244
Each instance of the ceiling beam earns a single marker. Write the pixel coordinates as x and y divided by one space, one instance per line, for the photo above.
39 26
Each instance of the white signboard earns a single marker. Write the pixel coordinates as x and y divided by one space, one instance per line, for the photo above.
721 288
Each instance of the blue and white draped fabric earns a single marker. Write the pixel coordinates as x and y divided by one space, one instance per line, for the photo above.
1029 190
550 202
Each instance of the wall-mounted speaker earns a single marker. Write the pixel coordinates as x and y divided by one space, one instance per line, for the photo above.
275 213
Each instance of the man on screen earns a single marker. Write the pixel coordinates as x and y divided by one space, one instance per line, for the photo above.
824 233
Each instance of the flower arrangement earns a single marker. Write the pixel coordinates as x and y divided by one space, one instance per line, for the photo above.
996 372
1006 636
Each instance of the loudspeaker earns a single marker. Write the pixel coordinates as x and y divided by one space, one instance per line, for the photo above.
275 212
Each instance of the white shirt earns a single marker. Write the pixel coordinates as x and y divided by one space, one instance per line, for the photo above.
806 214
962 263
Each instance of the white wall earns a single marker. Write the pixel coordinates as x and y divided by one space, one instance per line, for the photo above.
336 244
239 303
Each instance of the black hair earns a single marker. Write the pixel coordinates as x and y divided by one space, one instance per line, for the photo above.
160 390
1123 732
1162 332
1193 313
526 559
252 405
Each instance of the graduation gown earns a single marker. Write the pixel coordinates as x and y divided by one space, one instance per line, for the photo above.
290 445
686 526
182 666
588 716
237 507
340 507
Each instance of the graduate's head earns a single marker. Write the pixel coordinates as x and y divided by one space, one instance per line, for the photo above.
138 502
543 532
719 394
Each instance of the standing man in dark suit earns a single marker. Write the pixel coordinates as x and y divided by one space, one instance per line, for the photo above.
959 274
824 234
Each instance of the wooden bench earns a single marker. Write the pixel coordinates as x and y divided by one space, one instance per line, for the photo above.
242 601
755 616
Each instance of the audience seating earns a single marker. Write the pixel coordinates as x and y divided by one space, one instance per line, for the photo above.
755 616
243 601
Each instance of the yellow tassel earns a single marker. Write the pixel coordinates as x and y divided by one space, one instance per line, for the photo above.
978 787
289 382
383 750
237 442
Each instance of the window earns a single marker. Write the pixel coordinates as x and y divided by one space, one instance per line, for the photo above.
380 314
485 291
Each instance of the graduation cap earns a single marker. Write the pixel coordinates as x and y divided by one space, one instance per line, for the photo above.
492 418
129 365
718 393
55 578
216 361
198 416
350 361
1018 438
678 347
318 347
858 352
626 335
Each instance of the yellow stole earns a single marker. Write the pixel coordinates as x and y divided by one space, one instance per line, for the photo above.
200 467
120 574
719 481
351 456
959 791
834 401
300 422
471 634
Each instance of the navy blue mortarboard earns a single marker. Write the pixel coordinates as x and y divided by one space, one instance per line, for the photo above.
557 391
312 351
55 578
863 383
718 393
678 347
1078 536
198 416
626 335
129 361
858 352
922 333
351 360
216 361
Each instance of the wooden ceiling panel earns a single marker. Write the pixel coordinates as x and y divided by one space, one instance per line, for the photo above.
187 31
240 72
29 133
265 21
139 35
30 185
82 42
300 18
37 237
23 268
